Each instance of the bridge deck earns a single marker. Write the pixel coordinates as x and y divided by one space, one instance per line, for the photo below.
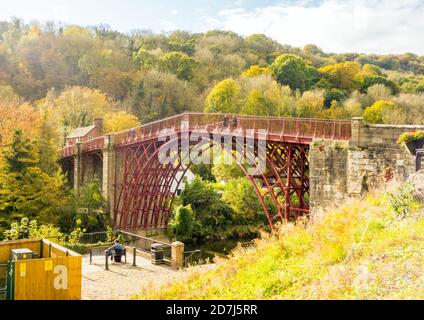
291 130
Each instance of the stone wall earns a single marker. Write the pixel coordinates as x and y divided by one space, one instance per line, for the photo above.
328 172
371 160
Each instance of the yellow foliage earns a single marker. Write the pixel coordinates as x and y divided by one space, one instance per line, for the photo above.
119 121
224 97
378 110
255 71
343 75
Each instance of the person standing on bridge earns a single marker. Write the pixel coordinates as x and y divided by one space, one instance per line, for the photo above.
226 121
234 122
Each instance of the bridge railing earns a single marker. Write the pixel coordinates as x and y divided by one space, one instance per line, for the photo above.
67 151
276 127
93 144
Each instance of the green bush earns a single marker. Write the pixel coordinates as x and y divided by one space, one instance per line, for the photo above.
27 229
182 224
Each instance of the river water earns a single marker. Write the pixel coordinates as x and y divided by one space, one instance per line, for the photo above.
212 248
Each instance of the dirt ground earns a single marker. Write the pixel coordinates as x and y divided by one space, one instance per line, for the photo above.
123 281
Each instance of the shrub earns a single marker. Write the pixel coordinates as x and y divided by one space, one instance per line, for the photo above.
410 136
27 229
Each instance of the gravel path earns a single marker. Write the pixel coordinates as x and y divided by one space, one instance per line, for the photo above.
123 281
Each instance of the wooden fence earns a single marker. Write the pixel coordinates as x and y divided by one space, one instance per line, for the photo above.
55 275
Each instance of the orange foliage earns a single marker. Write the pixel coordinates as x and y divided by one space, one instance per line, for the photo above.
17 116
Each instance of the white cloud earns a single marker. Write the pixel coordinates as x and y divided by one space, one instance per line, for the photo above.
175 12
370 26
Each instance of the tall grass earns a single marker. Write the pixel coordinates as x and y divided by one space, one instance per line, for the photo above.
363 250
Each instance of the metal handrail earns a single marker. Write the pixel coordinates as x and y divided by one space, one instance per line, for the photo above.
280 126
190 256
145 238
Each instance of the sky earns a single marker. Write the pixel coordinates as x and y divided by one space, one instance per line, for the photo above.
365 26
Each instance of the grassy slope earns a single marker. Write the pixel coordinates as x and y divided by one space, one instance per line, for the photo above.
360 251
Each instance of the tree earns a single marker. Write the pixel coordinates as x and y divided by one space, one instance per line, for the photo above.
20 154
334 95
255 71
210 211
310 104
240 196
146 59
158 95
78 106
90 206
178 63
375 113
24 188
226 172
119 121
371 70
17 116
295 72
48 142
342 75
369 81
224 97
182 223
258 104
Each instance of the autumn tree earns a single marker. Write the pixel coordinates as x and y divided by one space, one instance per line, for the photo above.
342 75
224 97
78 106
119 121
255 71
15 115
376 112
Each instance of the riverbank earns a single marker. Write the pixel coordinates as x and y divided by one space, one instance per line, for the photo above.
371 248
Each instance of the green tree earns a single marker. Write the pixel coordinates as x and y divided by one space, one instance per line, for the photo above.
226 172
178 63
210 211
146 59
24 188
182 223
258 104
240 196
295 72
369 81
334 95
90 207
20 154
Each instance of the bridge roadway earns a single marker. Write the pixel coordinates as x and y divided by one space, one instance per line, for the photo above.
140 189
